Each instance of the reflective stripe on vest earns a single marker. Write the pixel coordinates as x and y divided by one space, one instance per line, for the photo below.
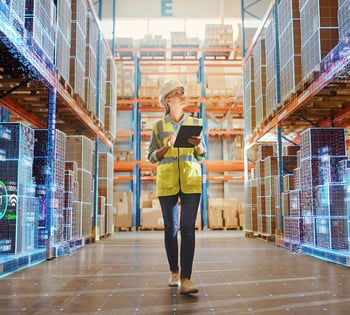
179 166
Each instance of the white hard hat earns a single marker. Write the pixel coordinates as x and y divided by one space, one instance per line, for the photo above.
166 88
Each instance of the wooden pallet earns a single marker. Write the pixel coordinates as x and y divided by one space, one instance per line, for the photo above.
250 234
266 237
122 229
65 84
90 239
79 100
141 228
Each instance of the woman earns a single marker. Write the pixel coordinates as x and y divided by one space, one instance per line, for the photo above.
178 176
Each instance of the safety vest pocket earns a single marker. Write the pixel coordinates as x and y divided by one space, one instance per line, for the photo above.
167 175
191 174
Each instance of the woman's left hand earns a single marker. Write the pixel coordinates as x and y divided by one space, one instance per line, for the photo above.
195 140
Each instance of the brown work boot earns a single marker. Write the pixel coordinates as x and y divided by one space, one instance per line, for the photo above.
187 286
174 280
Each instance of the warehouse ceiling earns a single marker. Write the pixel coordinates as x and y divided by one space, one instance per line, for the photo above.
181 8
138 17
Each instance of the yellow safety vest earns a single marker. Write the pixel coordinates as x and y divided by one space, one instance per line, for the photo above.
179 168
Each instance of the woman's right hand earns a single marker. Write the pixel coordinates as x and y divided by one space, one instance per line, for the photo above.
171 141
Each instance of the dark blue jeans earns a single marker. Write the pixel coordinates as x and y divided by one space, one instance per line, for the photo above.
189 208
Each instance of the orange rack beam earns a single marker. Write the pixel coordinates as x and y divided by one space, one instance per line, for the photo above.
225 177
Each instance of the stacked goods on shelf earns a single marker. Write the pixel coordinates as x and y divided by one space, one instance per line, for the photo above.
103 84
268 206
19 215
192 88
223 212
4 9
289 46
125 79
91 64
101 216
151 213
260 80
40 20
79 149
149 42
78 49
40 175
319 33
63 37
149 88
105 188
180 40
344 20
71 212
122 156
123 204
249 97
218 36
265 168
238 146
124 42
323 195
111 99
270 46
15 11
217 85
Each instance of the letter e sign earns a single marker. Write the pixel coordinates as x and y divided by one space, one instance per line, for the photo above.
166 7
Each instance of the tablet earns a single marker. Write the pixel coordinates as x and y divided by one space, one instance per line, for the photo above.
186 132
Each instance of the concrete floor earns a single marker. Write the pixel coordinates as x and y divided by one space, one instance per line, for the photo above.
128 273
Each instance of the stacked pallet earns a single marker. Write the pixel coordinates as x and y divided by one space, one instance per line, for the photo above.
110 123
103 84
20 218
260 80
124 42
250 205
91 64
101 216
149 88
40 21
125 81
152 42
14 12
323 194
71 211
218 36
78 49
63 38
266 171
270 43
249 97
122 202
344 20
223 213
319 32
79 149
105 189
180 40
289 46
40 176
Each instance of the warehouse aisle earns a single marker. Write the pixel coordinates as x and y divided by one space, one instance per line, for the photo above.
127 274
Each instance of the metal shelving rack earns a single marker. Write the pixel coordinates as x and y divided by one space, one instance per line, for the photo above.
199 105
53 106
303 109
